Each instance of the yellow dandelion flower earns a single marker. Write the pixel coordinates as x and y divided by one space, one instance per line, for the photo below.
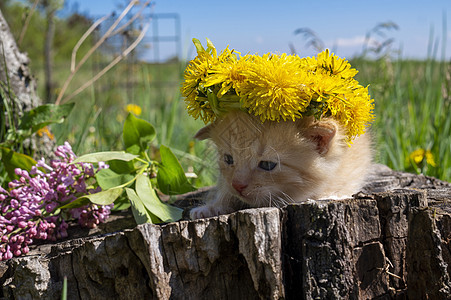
323 85
274 87
359 112
332 64
199 106
430 158
227 74
45 130
196 102
419 155
194 75
134 109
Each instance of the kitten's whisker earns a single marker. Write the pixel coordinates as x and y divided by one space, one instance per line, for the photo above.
288 198
278 157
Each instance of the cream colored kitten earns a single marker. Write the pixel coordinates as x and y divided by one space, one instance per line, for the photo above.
277 163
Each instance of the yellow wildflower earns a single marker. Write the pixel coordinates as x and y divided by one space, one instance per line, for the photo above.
323 85
45 130
134 109
193 86
331 63
227 72
353 110
274 87
430 158
419 155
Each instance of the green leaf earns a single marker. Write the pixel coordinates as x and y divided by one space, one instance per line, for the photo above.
137 134
108 179
171 177
101 198
198 45
122 167
140 213
12 160
44 115
105 197
105 156
121 203
166 212
79 202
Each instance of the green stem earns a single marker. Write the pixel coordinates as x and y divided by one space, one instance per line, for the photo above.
8 109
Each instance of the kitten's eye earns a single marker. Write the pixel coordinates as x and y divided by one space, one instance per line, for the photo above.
267 165
228 159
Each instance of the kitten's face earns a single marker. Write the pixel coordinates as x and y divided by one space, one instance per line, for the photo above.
266 164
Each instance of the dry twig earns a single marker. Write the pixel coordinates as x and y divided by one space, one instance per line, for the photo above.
110 32
27 22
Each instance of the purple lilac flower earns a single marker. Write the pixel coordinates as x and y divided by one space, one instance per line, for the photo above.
28 209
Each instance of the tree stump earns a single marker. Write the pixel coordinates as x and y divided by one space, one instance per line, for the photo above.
391 241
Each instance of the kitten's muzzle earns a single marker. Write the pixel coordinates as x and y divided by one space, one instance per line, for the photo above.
239 187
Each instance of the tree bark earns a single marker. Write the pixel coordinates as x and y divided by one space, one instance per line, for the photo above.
14 69
15 72
393 243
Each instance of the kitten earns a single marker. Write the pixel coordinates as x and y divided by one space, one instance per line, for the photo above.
277 163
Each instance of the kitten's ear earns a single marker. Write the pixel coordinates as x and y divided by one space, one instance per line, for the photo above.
321 134
203 133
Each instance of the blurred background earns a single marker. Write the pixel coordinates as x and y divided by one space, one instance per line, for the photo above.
133 56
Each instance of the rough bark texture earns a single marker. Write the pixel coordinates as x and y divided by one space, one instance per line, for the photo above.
391 241
15 72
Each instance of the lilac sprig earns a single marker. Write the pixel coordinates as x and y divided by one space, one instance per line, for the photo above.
30 209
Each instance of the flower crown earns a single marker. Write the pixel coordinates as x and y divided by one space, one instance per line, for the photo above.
275 87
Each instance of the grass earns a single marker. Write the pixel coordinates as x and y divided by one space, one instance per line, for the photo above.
412 106
412 112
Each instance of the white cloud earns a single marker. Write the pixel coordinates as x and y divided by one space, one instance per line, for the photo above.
350 42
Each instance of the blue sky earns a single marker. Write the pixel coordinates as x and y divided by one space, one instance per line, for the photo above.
268 26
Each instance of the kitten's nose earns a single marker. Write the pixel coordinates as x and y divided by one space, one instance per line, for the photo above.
239 186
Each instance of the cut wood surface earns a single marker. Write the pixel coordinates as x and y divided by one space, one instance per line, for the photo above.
391 241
